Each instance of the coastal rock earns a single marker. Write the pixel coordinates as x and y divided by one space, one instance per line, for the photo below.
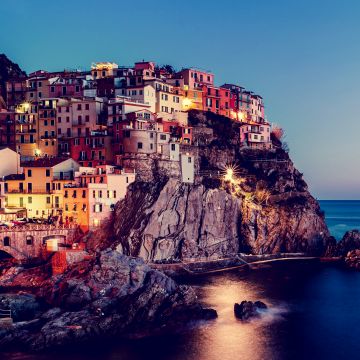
108 295
349 242
268 211
248 309
181 221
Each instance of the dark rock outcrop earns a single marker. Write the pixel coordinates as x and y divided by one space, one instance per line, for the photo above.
108 295
248 309
8 70
349 242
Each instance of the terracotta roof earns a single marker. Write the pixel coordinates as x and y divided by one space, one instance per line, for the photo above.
43 162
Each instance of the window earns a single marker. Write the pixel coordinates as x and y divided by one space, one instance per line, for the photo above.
29 240
108 194
48 200
87 106
29 172
52 89
94 193
47 172
151 135
29 200
139 145
114 194
162 137
189 160
68 119
172 147
79 106
87 118
84 193
100 194
6 241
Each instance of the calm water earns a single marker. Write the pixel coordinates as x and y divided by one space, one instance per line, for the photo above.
314 313
341 216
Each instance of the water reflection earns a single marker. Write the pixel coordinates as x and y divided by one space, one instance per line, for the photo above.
313 314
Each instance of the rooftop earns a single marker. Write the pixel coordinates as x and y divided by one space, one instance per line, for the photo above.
43 162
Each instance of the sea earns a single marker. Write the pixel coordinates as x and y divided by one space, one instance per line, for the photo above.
341 216
313 313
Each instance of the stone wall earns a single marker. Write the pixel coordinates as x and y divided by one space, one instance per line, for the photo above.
23 242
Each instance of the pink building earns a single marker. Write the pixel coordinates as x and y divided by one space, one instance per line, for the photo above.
65 86
194 78
255 135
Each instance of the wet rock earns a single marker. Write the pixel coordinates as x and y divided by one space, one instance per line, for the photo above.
248 309
23 306
108 295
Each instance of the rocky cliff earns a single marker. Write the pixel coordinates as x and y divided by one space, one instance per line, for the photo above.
107 295
263 207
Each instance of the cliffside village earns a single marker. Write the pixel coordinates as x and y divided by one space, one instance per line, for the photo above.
71 141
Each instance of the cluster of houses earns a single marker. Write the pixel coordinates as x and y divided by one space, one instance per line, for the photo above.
66 137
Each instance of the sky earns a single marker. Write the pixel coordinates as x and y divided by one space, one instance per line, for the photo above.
303 57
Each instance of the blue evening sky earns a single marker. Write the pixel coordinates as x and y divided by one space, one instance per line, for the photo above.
303 57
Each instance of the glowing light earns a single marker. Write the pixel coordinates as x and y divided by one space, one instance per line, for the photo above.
187 103
96 222
37 152
23 107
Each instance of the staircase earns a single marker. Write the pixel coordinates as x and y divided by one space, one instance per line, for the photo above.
5 318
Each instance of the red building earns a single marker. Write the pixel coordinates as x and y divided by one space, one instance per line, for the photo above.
92 150
216 100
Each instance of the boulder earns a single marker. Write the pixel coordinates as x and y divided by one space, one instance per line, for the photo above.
248 309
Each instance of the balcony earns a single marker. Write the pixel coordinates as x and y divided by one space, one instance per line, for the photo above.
68 175
48 137
27 191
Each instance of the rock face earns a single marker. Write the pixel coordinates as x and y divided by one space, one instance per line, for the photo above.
173 220
109 295
268 210
349 242
248 309
8 70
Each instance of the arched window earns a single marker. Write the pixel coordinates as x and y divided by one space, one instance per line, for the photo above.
6 241
29 240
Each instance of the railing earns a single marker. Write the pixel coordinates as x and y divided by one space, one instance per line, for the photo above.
39 227
27 191
5 317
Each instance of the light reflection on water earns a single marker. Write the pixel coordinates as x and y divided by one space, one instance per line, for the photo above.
312 308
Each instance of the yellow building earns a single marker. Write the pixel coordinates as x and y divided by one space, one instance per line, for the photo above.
35 188
192 99
26 135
